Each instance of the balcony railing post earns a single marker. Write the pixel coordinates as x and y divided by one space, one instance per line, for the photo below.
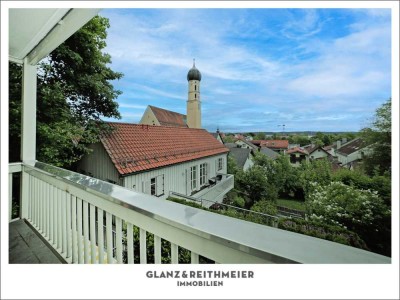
25 195
10 194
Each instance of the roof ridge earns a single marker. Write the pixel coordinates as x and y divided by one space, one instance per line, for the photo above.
160 108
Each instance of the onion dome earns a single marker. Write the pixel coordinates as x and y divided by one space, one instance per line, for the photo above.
194 73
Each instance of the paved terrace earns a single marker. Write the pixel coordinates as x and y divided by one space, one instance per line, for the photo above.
27 247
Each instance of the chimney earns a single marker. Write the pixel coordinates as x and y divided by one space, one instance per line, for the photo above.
344 140
338 144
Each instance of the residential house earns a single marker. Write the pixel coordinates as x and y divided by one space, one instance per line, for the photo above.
351 152
239 136
293 146
297 156
331 149
242 143
243 157
270 153
158 160
317 152
218 136
276 145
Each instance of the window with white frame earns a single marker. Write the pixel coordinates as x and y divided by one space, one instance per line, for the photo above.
220 163
153 186
193 177
203 174
157 186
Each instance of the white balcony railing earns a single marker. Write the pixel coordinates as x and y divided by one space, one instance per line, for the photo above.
70 211
215 192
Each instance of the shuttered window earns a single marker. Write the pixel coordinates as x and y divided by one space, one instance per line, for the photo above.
203 174
193 177
155 186
220 164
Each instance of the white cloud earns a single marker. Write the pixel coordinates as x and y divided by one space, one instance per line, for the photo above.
135 106
303 27
247 62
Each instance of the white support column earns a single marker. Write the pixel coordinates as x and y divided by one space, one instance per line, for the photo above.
28 129
28 111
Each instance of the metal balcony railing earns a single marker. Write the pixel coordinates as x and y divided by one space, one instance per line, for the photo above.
70 211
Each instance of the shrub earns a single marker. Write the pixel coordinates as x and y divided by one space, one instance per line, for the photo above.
381 184
265 207
328 232
361 211
239 202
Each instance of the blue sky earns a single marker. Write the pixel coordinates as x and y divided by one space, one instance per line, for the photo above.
310 69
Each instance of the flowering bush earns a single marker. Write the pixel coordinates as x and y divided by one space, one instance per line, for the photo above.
361 211
345 206
327 232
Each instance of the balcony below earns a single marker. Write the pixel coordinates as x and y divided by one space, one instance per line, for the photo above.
215 191
88 221
28 247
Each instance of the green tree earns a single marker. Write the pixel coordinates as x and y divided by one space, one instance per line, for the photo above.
319 171
229 139
280 174
232 167
379 137
360 211
327 139
74 91
299 139
254 185
260 136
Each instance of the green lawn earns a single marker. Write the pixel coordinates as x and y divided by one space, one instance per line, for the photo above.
293 204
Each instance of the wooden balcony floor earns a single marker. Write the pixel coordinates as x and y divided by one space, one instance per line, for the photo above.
27 247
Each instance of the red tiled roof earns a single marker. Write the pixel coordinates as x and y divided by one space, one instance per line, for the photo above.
169 118
297 149
272 144
133 147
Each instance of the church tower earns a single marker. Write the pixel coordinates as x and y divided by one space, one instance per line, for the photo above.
194 103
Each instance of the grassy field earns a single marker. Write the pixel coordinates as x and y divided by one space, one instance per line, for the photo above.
293 204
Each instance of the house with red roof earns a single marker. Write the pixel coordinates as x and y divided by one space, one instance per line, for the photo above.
276 145
316 152
161 160
297 155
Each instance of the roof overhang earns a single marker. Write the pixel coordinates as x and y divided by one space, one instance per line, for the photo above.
34 33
